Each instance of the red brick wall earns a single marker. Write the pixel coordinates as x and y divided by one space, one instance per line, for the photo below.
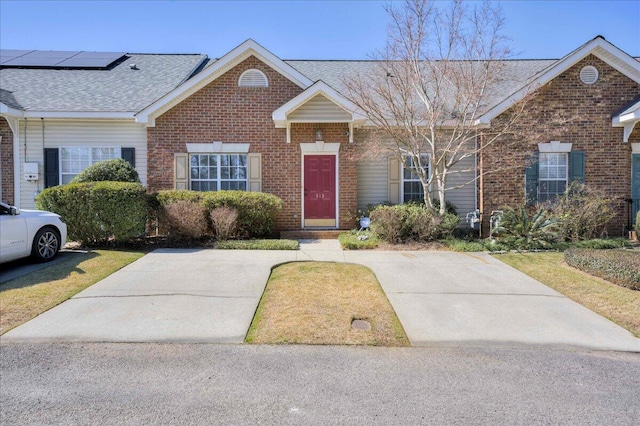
224 112
568 110
6 161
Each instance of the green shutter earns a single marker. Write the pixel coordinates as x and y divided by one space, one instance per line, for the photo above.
576 166
531 179
51 167
129 155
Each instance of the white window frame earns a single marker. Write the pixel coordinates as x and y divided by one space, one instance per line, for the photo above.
415 178
91 161
565 178
219 179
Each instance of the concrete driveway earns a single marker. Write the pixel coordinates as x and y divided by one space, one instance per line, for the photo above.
441 298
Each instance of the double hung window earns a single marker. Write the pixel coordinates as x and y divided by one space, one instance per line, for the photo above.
412 189
215 172
74 159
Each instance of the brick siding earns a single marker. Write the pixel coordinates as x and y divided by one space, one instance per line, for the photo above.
6 161
584 113
224 112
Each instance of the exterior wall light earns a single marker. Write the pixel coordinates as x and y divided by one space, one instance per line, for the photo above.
319 135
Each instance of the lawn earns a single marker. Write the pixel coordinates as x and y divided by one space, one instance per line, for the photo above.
620 305
316 303
26 297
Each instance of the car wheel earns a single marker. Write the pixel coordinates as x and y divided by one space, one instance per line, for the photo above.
46 245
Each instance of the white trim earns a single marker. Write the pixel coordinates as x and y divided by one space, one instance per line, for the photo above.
337 183
627 119
320 147
218 148
99 115
635 148
598 47
211 73
9 111
555 147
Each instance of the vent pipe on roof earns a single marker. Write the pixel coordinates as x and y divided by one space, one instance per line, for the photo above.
133 67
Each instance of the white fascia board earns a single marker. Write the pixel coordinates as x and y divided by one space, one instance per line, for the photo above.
318 88
222 65
96 115
8 111
561 66
631 114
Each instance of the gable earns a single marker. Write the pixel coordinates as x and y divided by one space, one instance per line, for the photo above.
319 108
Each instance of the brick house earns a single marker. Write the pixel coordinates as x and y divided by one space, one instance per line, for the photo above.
252 121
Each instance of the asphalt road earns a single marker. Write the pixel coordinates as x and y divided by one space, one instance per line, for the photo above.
65 383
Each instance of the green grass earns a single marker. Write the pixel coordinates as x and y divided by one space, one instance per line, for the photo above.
257 245
26 297
620 305
350 241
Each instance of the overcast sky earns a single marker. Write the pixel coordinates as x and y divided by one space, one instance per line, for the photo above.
290 29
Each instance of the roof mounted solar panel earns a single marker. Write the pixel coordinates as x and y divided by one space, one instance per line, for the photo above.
57 59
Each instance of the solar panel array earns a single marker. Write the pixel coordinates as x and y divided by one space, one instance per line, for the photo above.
57 59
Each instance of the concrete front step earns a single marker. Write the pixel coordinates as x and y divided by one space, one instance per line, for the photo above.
316 234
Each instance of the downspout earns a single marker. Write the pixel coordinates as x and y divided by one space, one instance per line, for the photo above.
14 125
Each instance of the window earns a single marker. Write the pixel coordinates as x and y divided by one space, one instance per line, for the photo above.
412 189
553 175
213 172
74 159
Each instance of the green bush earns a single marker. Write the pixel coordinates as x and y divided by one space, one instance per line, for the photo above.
258 245
116 170
171 196
98 211
601 243
464 245
257 211
519 230
621 267
411 221
358 240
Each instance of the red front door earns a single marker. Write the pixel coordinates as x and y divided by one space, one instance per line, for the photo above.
319 190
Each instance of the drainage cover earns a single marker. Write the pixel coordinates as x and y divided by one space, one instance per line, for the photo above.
360 325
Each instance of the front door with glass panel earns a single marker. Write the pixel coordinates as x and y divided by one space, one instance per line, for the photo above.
319 190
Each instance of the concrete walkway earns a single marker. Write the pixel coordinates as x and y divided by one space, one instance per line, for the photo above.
441 298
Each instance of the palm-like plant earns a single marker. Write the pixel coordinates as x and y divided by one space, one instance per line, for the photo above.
520 230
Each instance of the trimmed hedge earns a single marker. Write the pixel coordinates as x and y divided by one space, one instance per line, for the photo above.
257 211
407 222
621 267
258 245
116 170
98 211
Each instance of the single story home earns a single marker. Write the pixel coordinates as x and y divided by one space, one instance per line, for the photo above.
255 122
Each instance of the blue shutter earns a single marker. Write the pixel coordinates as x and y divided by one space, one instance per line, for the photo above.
129 155
576 166
531 179
51 167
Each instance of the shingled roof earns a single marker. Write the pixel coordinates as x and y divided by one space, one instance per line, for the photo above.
117 89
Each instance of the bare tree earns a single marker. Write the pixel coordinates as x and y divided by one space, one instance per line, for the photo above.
441 69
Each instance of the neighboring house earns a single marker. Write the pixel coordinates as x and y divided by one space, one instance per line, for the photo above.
252 121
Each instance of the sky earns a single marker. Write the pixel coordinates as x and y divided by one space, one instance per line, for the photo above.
291 29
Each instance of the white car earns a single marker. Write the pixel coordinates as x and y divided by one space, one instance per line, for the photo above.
33 233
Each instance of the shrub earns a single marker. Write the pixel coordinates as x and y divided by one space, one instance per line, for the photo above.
411 221
116 170
621 267
171 196
600 243
258 245
358 240
448 205
257 211
582 212
517 229
185 220
464 245
98 211
223 220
